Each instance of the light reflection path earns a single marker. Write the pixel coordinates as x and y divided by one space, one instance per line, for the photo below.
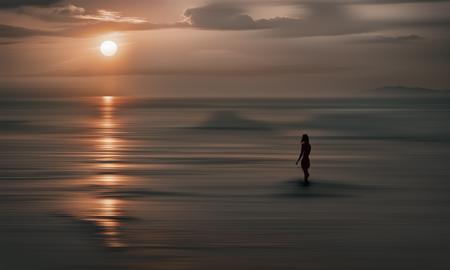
106 213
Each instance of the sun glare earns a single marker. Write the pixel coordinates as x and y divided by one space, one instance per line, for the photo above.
108 48
107 99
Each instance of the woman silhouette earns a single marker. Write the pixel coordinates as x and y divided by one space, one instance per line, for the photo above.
304 156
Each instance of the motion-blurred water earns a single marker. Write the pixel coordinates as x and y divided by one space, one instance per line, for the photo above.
123 183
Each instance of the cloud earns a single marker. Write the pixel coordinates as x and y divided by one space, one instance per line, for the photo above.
68 10
391 39
396 1
109 16
322 19
325 19
347 2
83 30
56 13
21 3
8 42
92 29
9 31
74 21
230 17
219 16
73 13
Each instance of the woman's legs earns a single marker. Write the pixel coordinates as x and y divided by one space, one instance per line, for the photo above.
306 174
305 167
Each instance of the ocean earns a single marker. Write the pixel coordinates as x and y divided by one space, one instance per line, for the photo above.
141 183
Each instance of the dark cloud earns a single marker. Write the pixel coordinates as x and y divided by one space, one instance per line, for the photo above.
11 42
92 29
322 19
391 39
399 1
75 21
346 2
21 3
73 13
220 16
325 19
83 30
9 31
57 13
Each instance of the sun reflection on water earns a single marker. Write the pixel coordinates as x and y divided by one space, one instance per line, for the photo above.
109 179
107 143
107 211
106 215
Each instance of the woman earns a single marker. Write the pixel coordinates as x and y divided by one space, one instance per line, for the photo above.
304 156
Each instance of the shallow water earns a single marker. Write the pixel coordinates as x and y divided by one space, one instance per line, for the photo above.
127 183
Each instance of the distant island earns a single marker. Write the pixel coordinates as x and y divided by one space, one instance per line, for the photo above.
231 120
403 91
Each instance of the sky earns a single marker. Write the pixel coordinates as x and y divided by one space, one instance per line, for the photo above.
247 48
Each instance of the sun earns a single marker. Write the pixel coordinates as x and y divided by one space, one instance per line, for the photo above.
108 48
108 99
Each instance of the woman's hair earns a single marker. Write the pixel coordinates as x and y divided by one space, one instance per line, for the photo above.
305 138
